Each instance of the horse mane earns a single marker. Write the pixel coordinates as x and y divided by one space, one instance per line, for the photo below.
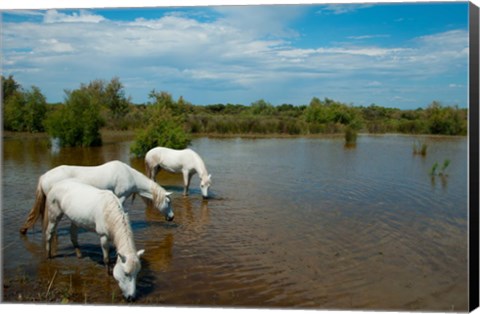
118 226
200 166
158 195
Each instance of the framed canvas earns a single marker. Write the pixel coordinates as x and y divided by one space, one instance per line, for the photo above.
224 156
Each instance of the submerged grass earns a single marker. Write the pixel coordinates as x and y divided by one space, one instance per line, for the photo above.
438 170
420 148
350 137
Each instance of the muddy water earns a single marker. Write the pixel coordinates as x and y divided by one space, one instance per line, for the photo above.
292 223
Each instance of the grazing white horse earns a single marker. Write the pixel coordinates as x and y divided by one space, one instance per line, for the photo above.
185 161
99 211
115 176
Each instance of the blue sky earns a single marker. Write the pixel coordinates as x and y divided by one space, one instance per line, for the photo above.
402 55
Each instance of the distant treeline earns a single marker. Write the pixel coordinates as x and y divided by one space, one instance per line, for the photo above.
101 104
325 117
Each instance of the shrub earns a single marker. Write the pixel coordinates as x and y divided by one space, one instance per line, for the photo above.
25 110
446 120
77 123
165 126
350 136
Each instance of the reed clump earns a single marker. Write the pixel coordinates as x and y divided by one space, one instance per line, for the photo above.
440 170
420 148
350 137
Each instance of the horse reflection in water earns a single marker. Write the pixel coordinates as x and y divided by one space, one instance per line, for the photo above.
99 211
192 217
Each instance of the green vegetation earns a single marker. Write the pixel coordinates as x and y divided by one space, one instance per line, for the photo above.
23 110
350 137
78 122
163 121
433 170
420 148
164 126
441 170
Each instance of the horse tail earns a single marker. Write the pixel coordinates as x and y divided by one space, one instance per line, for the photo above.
150 170
37 210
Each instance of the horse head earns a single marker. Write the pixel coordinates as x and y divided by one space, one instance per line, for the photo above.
162 202
125 273
205 183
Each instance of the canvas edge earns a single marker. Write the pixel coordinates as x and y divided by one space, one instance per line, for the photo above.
473 156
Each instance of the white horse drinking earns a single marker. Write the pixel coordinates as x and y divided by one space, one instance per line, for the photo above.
185 161
99 211
115 176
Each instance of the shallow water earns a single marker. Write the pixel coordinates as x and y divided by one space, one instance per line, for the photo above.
302 222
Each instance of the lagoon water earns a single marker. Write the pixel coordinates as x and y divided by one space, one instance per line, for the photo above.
300 222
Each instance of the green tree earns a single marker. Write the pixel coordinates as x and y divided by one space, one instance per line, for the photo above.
261 107
77 123
9 87
114 106
332 115
165 126
115 99
35 110
446 120
13 112
24 111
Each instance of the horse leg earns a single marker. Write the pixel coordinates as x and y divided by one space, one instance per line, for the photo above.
49 234
105 250
187 177
152 171
74 239
155 171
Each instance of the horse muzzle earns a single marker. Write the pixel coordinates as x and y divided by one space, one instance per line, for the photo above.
167 218
130 298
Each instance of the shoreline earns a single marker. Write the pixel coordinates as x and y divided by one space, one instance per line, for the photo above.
131 133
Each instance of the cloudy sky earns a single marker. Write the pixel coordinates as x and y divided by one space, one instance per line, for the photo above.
401 55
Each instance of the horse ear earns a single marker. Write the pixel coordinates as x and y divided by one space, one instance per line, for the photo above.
140 253
209 176
168 193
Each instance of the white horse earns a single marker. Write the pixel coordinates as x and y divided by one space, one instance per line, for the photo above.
185 161
115 176
99 211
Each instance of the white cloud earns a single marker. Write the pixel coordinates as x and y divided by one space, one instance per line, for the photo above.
453 38
365 51
374 84
53 16
261 21
362 37
342 8
54 45
454 85
26 12
238 53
